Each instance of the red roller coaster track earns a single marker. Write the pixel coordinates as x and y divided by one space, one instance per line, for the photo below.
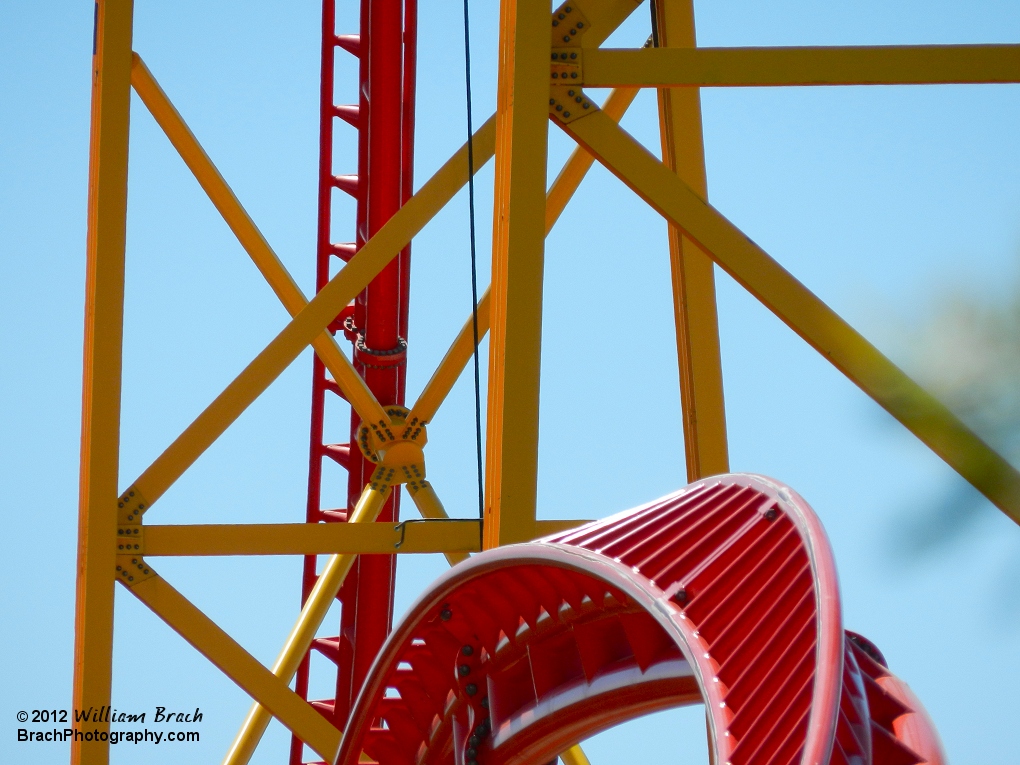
723 593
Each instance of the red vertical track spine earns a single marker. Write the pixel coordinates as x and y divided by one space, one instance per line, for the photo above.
368 594
386 49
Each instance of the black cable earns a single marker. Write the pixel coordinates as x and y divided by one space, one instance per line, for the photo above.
474 271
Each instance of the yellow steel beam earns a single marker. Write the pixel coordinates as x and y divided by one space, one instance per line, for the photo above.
309 323
239 665
301 635
101 384
522 107
313 538
574 756
563 188
743 67
693 278
802 311
432 510
223 198
435 534
603 17
580 161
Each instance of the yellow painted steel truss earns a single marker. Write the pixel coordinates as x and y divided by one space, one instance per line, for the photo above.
114 545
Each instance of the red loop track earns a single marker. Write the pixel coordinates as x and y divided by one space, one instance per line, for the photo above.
724 593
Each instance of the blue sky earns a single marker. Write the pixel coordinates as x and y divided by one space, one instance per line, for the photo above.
876 198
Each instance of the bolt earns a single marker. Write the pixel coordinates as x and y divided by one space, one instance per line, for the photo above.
770 514
485 703
585 104
566 38
561 17
568 9
680 596
573 55
474 741
554 75
573 31
471 752
118 568
578 99
573 75
120 531
463 670
556 23
566 114
134 560
471 689
467 650
559 108
131 494
570 92
446 614
146 571
131 579
580 24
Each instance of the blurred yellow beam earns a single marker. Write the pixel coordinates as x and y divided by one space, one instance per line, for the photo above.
744 67
802 311
236 217
101 384
574 756
239 665
310 322
692 273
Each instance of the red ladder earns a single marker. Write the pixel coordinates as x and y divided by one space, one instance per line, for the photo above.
376 323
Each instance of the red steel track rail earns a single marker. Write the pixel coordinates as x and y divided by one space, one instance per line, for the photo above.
377 321
723 593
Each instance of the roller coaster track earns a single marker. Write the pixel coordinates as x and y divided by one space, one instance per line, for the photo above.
724 593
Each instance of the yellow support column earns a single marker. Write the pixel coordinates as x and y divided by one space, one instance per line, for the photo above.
522 109
694 307
104 315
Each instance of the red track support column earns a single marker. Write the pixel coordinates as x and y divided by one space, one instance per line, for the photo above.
376 323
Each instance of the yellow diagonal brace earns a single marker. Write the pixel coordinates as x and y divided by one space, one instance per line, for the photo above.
239 665
313 319
248 234
743 67
300 639
802 311
563 188
574 756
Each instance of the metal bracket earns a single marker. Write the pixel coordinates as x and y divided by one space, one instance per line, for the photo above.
130 540
567 104
568 25
566 100
133 570
130 506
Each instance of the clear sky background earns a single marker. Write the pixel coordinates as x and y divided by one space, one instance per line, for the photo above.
878 199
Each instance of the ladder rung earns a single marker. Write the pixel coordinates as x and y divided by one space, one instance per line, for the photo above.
349 113
347 183
350 43
339 453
